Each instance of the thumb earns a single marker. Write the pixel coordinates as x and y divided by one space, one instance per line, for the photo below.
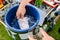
31 38
22 16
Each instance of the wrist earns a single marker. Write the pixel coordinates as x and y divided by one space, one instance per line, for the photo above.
22 5
24 2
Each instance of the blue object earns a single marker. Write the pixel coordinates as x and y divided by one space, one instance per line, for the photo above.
11 14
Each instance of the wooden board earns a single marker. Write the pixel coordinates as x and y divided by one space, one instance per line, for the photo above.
49 3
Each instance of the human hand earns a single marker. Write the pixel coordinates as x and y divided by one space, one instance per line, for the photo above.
44 34
20 12
31 38
21 9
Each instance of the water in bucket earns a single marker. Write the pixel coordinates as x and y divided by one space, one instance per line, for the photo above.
23 23
30 20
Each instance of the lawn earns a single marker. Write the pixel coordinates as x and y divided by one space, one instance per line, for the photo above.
3 33
54 33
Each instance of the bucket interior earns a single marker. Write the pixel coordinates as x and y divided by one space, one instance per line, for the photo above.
12 21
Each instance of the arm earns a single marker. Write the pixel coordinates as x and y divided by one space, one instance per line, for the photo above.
56 1
24 2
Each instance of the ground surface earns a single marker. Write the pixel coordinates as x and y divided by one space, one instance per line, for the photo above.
3 33
54 33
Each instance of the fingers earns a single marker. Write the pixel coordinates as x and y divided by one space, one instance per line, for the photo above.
17 15
31 38
44 39
43 32
45 35
20 15
23 13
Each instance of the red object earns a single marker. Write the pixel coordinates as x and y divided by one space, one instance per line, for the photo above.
1 1
32 2
53 5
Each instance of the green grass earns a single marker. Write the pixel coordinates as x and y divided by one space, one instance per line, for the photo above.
54 33
3 33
